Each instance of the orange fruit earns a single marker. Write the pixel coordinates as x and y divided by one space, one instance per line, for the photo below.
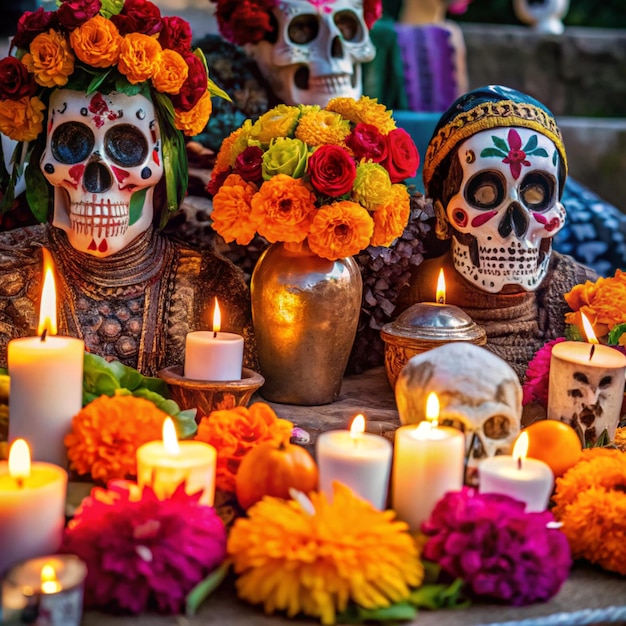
555 443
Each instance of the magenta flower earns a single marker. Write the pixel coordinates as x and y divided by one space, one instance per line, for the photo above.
512 153
516 156
537 376
143 553
501 552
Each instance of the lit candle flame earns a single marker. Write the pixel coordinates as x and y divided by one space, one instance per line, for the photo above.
588 328
423 429
49 581
170 440
432 408
19 461
48 308
357 428
217 318
440 295
520 449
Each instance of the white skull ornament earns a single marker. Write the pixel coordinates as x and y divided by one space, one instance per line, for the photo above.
100 151
478 392
507 210
319 48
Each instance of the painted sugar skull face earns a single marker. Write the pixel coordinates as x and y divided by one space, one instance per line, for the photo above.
507 209
319 48
103 158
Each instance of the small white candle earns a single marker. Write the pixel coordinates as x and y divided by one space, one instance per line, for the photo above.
32 507
528 480
164 465
46 382
213 355
359 460
428 462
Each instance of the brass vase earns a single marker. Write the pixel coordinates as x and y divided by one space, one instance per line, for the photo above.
305 311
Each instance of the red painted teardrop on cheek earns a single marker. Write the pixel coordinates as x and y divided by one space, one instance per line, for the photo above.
483 218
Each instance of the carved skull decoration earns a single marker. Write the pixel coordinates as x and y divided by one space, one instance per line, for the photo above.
507 210
102 150
479 393
319 48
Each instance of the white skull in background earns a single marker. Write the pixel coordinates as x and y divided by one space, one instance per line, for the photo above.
507 209
319 48
100 150
479 393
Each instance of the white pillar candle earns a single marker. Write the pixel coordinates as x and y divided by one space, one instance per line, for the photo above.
360 460
164 465
45 382
32 507
528 480
213 355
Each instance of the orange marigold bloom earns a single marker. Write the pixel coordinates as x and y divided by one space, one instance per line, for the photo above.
317 127
106 433
50 59
171 73
232 432
192 122
22 120
139 57
283 209
97 42
231 213
340 229
391 219
590 501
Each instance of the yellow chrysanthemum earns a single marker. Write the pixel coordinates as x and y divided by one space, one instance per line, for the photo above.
232 146
590 501
315 562
277 122
317 127
231 215
22 120
50 59
366 110
372 186
391 219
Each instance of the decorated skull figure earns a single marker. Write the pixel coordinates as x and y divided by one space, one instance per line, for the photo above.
478 392
507 209
103 158
318 50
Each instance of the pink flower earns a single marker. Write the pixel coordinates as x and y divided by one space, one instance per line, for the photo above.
501 552
458 7
72 13
367 142
537 377
516 156
143 553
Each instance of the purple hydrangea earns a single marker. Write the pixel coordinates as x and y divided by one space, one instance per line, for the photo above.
500 551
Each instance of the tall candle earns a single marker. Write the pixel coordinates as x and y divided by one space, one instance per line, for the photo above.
528 480
32 507
213 354
45 381
428 462
164 465
360 460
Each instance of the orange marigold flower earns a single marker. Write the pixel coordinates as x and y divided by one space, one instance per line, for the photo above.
192 122
391 219
231 213
232 432
283 209
171 73
97 42
340 229
232 146
50 59
22 120
106 433
139 57
590 501
317 127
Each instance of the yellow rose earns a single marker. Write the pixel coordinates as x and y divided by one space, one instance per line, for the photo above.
97 42
193 122
171 72
22 120
50 59
139 57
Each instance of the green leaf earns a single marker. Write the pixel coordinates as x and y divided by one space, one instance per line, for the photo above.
440 596
531 144
135 208
539 152
573 333
111 7
216 91
501 144
493 152
615 333
37 192
96 82
205 588
399 612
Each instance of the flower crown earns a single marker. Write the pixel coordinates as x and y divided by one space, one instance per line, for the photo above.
106 45
329 177
248 21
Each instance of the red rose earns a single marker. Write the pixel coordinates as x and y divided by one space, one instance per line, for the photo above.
242 23
249 164
195 85
372 12
72 13
138 16
367 142
403 158
31 24
332 171
217 180
176 34
15 80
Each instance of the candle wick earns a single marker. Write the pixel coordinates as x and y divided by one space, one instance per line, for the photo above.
214 334
45 332
519 463
441 300
20 482
593 349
